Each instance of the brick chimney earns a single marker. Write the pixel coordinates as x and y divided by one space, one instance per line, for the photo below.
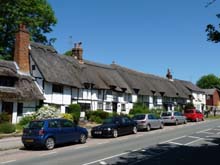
77 52
169 75
21 54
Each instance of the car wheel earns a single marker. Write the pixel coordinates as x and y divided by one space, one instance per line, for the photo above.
185 121
197 119
148 128
203 119
50 143
115 133
82 139
161 126
176 123
28 147
134 130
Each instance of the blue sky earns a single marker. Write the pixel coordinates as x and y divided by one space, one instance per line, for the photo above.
148 36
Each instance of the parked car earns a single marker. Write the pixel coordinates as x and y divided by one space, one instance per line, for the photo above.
194 115
49 132
173 118
114 127
148 122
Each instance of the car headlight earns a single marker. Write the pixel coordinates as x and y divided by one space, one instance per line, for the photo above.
108 129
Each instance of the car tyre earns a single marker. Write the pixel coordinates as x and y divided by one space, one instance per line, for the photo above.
176 122
161 126
115 133
185 121
148 128
134 130
50 143
82 139
28 147
197 119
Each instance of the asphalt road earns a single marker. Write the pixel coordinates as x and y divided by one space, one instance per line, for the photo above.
171 145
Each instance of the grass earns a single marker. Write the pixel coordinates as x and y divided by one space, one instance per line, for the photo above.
212 117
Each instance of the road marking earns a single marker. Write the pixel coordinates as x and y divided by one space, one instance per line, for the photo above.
50 153
176 143
194 137
193 141
110 157
204 130
172 140
103 143
208 133
10 161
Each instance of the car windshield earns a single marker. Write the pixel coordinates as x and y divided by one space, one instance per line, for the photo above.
36 124
166 114
139 117
109 121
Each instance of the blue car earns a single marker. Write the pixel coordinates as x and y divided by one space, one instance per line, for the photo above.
49 132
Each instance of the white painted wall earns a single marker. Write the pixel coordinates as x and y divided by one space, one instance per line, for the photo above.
67 95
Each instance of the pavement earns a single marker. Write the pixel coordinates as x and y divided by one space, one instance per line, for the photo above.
10 143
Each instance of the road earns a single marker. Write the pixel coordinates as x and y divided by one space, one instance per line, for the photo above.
154 147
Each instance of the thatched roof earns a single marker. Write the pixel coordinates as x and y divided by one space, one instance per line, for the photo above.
68 71
25 87
189 85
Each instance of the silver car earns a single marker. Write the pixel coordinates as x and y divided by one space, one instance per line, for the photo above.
173 118
148 122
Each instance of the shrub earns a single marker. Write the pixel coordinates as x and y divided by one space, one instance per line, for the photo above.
67 116
26 119
99 113
74 110
7 128
189 106
4 117
96 119
46 112
139 108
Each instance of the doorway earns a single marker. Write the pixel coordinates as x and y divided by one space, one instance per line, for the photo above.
7 107
114 106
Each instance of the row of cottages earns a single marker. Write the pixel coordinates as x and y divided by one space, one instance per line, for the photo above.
62 80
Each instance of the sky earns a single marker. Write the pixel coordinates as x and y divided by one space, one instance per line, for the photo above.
149 36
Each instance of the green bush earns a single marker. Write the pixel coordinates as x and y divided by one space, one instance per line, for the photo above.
7 128
4 117
26 119
67 116
189 106
96 119
99 113
139 108
74 110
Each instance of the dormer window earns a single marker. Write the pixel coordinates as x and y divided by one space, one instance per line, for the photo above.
6 81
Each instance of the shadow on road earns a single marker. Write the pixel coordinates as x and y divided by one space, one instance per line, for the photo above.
175 155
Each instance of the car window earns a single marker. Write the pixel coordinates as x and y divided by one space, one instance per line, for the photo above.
53 124
166 114
127 120
36 124
188 111
139 117
150 117
177 114
66 123
109 120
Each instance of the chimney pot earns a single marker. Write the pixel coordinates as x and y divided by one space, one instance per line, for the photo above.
77 52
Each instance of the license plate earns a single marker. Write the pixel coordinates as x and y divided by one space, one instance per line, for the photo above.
29 140
98 132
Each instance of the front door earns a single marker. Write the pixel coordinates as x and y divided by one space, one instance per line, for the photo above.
114 106
8 108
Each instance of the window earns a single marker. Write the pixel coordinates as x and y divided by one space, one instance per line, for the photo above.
108 105
7 81
100 94
109 92
33 67
66 124
20 109
100 105
57 88
123 107
53 124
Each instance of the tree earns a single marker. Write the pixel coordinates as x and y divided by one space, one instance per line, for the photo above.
37 15
208 81
213 34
